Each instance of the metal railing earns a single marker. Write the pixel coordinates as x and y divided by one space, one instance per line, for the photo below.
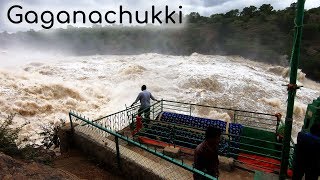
102 129
119 120
169 134
170 131
259 120
267 122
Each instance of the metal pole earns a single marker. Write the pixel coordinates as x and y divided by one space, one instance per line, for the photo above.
278 116
161 105
71 123
131 124
153 112
118 151
292 88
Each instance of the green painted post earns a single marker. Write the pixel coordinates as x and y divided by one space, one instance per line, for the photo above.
153 112
131 124
228 151
174 136
292 88
118 151
71 123
161 105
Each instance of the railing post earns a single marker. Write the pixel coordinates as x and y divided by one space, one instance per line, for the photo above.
229 144
131 124
161 105
190 109
153 112
118 152
71 124
174 136
234 116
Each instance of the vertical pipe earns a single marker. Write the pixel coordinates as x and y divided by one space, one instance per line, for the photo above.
131 124
278 115
292 88
71 124
161 105
174 136
118 151
153 111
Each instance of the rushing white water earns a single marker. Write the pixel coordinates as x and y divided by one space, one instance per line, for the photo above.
43 91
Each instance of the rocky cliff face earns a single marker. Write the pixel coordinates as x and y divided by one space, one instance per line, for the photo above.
11 168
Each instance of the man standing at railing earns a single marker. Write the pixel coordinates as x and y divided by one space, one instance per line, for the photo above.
144 98
206 154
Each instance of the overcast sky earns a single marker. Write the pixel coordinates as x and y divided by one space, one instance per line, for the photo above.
204 7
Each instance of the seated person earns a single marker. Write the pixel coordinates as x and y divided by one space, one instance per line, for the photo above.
206 154
307 155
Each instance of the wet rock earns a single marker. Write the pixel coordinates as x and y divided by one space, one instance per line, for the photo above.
14 169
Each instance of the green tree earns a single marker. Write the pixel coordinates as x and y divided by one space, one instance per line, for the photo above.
232 13
292 7
214 18
193 17
249 11
266 9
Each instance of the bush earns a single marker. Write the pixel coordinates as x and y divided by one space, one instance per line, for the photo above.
9 136
50 135
9 143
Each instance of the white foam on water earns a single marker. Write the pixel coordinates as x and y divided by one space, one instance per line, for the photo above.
43 92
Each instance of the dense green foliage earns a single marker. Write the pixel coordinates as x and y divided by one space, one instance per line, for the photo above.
8 136
10 142
260 33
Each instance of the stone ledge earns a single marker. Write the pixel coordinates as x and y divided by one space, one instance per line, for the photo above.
171 151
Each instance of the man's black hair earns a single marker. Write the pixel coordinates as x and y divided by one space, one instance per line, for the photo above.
315 129
143 87
212 132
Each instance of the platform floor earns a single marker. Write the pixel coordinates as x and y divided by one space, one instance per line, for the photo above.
161 167
236 174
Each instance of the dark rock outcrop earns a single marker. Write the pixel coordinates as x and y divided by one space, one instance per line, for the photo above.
11 168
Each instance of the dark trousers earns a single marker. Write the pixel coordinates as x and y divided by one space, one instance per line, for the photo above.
146 114
307 158
309 174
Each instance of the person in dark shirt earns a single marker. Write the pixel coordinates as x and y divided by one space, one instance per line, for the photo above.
206 154
307 155
144 98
